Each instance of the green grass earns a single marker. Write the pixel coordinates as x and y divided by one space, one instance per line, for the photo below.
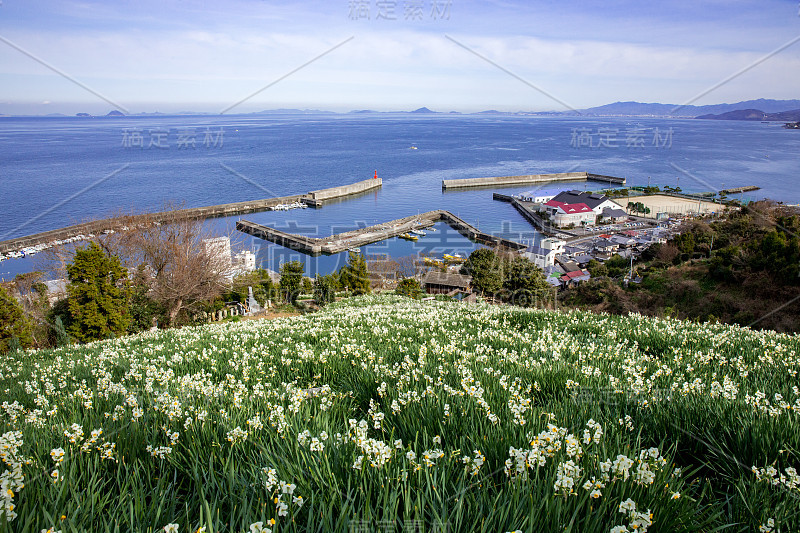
456 381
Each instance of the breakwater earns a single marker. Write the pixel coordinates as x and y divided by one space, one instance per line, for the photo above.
507 181
341 242
737 190
95 227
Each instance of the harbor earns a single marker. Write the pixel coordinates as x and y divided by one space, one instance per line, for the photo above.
510 181
31 244
345 241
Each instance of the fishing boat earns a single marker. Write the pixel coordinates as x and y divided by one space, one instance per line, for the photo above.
409 237
432 261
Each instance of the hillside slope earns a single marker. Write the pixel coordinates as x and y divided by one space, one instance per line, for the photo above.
381 412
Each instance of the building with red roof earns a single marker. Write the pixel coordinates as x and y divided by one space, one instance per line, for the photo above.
563 214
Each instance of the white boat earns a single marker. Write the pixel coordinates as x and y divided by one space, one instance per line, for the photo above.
418 232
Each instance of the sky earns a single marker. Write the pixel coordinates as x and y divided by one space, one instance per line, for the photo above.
241 56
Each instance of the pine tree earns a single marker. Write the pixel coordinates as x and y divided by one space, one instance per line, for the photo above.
354 274
291 280
98 295
15 328
525 284
60 333
324 289
486 270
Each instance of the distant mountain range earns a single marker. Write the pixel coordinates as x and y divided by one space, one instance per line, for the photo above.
787 110
756 114
690 111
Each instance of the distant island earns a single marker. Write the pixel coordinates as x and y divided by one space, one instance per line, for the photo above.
755 114
760 109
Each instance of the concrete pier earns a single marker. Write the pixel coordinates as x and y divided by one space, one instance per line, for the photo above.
96 227
509 181
737 190
364 236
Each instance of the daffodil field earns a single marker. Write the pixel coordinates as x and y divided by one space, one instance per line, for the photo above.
386 414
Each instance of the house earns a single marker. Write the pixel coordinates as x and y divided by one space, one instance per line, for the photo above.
551 243
538 197
582 259
563 214
622 241
573 278
436 282
606 245
596 202
541 257
544 255
610 214
569 266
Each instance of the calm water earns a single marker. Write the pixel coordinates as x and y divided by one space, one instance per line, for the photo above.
59 171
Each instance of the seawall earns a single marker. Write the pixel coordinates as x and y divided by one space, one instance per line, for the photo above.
504 181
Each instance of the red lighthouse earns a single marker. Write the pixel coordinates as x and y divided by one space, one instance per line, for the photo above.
376 175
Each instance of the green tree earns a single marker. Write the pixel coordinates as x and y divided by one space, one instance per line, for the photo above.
291 279
486 270
145 311
354 274
324 289
61 337
98 294
15 328
308 286
616 266
409 287
525 284
596 268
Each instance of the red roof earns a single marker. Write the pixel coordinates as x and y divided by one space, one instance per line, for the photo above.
570 208
575 274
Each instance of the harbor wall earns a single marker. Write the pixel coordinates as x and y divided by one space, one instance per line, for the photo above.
503 181
363 236
512 180
315 198
346 190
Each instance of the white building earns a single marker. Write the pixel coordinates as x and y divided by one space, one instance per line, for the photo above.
538 197
551 243
562 214
244 261
544 255
577 208
596 202
219 248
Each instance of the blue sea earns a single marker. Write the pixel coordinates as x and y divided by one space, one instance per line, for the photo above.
56 171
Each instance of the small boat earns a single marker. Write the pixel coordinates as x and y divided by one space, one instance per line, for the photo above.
412 147
418 232
430 261
409 237
354 250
